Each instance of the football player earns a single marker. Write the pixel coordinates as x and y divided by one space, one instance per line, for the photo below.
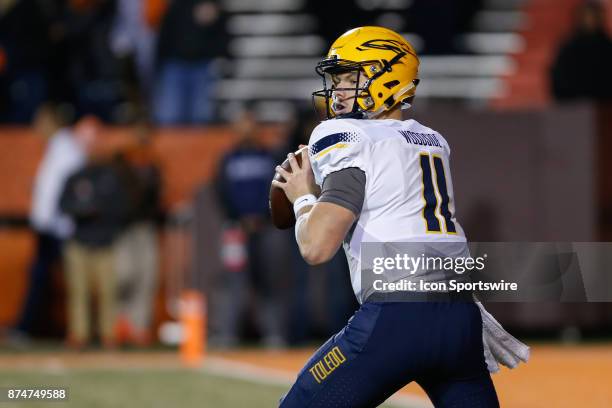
382 179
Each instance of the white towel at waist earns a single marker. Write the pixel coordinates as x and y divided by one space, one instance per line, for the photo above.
500 347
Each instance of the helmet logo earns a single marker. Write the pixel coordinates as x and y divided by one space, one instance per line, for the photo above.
389 45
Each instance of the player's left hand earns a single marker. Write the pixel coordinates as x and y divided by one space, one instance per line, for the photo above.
300 181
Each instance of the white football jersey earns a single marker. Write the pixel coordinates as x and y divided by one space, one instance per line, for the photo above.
408 192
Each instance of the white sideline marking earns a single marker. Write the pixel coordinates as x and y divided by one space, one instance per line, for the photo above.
267 376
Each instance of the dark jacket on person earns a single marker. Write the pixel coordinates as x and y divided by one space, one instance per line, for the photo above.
243 182
583 67
98 202
23 36
181 37
142 179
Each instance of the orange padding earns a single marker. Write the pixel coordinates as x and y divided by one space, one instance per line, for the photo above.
16 250
188 157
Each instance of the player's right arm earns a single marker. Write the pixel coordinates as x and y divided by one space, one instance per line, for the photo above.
320 228
334 161
320 234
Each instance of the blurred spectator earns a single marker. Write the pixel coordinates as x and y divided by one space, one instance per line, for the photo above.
23 54
329 284
583 64
94 72
64 154
434 21
192 36
440 23
303 121
437 22
333 18
137 247
59 50
134 37
254 253
97 201
300 126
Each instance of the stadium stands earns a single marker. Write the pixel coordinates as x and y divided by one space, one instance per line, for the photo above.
276 43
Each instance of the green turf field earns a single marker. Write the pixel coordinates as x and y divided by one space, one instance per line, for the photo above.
146 388
140 388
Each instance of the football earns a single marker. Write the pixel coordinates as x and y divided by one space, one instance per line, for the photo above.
280 206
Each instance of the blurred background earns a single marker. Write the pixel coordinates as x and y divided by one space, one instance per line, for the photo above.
137 142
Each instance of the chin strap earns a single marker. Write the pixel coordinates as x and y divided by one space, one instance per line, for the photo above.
360 114
404 105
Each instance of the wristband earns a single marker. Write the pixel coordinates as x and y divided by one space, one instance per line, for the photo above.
303 201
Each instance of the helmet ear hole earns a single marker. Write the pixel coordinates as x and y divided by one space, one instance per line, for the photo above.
391 84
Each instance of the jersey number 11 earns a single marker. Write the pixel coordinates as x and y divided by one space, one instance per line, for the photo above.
430 197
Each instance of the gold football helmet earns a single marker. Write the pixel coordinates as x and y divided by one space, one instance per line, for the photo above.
388 61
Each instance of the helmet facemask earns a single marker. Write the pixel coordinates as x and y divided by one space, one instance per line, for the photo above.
330 68
363 101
